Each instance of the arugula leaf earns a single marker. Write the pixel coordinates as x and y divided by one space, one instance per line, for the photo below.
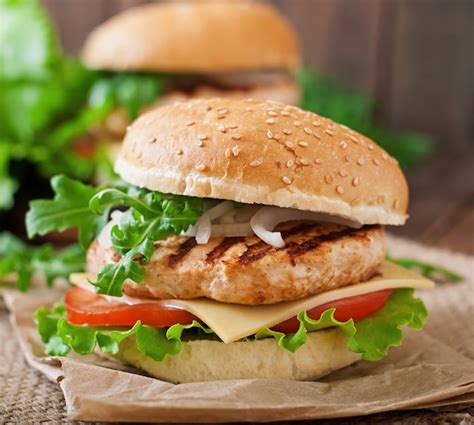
27 261
356 110
372 337
431 271
69 208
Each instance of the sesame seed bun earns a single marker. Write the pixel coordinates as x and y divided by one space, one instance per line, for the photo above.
198 37
267 153
203 360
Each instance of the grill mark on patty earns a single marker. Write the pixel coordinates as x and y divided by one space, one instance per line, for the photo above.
222 248
183 250
261 249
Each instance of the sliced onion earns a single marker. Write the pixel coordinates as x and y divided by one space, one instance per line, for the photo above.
104 239
203 229
220 209
264 221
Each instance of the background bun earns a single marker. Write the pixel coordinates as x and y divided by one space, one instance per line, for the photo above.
201 360
205 36
267 153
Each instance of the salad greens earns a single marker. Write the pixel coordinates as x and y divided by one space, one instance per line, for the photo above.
27 261
431 271
151 216
356 110
372 337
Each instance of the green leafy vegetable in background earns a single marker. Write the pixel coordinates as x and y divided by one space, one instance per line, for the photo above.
431 271
151 216
25 261
372 337
356 110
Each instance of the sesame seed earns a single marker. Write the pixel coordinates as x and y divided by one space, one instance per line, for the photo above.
287 132
329 132
290 163
256 163
317 136
361 161
354 139
297 123
190 123
272 113
178 152
232 127
370 147
355 202
303 144
200 167
219 117
286 180
396 203
289 145
152 140
235 151
222 129
208 108
355 181
307 130
376 161
340 189
227 153
343 145
384 156
248 109
202 137
222 110
328 179
236 136
285 113
270 121
200 143
342 173
316 123
269 134
347 158
318 161
304 161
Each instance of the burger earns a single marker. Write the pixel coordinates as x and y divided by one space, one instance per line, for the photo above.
245 240
156 54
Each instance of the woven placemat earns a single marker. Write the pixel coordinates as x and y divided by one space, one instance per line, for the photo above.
26 396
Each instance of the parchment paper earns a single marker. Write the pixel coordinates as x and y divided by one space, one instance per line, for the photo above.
434 367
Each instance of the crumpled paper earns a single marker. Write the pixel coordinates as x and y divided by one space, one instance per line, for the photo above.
434 367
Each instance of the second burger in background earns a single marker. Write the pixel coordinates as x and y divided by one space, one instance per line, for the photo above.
156 54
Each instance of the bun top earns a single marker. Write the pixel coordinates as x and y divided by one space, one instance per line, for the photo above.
205 37
267 153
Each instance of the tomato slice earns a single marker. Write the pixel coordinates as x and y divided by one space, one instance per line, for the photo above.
86 308
357 308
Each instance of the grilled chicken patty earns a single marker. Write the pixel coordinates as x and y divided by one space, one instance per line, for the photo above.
246 270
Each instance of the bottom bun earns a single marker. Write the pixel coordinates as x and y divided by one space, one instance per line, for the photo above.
204 360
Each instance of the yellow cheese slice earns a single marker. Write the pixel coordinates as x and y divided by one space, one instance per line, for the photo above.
232 322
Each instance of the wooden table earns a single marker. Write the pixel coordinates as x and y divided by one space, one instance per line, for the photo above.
442 203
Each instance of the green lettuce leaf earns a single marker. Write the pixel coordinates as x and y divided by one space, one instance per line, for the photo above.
372 337
68 209
27 261
431 271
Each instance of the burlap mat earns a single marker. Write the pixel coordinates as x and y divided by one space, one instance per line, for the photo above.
26 396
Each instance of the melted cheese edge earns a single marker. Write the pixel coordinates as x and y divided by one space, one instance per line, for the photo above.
232 322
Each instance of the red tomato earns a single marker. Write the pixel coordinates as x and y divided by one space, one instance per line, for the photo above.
356 308
86 308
